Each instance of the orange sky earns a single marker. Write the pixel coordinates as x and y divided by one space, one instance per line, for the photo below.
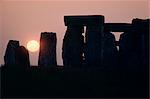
24 20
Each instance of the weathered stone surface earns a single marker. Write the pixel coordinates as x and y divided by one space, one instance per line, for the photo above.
47 54
73 47
10 54
22 57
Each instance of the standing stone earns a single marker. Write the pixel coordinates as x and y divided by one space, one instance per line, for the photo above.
111 55
10 54
72 50
134 55
134 45
94 42
141 32
47 54
110 52
22 58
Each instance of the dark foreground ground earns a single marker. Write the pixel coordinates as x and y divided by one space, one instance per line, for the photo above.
78 82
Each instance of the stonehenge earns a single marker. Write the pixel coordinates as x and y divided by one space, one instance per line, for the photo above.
93 65
100 47
89 42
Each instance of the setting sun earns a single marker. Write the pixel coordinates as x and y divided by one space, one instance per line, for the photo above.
33 46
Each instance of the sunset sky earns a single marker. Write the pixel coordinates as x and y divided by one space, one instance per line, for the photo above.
24 20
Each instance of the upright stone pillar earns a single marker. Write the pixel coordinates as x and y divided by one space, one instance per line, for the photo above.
110 52
47 54
134 45
73 46
112 57
10 54
22 58
127 53
94 42
141 46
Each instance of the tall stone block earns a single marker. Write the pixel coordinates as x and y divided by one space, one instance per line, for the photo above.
93 52
47 54
73 46
22 58
10 54
94 42
110 52
134 45
112 57
141 46
127 53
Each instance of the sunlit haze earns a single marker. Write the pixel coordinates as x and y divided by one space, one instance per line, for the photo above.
24 20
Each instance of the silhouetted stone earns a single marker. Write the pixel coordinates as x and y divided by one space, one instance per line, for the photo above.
134 45
73 46
22 58
110 52
126 50
83 20
141 46
10 54
134 57
47 54
118 27
94 43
